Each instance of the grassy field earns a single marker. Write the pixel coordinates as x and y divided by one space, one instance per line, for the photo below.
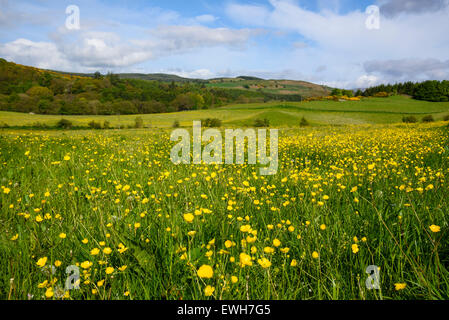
288 114
139 227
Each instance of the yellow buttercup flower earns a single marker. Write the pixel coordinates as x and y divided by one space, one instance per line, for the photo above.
208 291
188 217
41 262
94 251
86 264
435 228
315 255
123 268
399 286
228 243
355 248
245 260
264 262
49 293
205 271
109 270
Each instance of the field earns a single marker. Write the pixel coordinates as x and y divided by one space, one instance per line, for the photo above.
287 114
138 227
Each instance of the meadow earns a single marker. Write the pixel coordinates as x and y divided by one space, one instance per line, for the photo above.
283 115
138 227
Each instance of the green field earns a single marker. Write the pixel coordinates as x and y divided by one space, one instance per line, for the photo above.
288 114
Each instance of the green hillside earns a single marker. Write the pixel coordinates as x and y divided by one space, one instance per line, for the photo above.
284 87
28 89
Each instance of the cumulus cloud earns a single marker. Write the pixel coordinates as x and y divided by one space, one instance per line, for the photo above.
342 41
44 55
92 50
184 37
392 8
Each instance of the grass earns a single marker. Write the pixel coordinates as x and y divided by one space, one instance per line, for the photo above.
344 198
288 114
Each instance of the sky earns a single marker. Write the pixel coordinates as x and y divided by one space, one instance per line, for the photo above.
341 43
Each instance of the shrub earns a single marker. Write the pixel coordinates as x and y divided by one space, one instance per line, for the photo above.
4 125
176 124
262 123
64 124
95 125
381 94
409 119
138 123
446 118
304 122
211 122
428 118
38 124
106 124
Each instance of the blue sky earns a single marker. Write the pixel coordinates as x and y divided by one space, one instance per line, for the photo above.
323 41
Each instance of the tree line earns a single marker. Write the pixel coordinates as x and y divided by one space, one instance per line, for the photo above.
432 90
28 89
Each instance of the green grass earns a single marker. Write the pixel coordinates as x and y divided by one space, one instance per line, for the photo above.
355 195
288 114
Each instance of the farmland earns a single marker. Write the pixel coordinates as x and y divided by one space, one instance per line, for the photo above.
285 114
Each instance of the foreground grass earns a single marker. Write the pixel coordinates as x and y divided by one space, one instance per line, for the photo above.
112 203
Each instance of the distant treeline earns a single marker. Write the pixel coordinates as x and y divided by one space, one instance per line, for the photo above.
27 89
435 91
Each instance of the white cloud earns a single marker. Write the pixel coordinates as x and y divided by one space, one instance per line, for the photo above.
205 18
88 50
342 42
44 55
195 74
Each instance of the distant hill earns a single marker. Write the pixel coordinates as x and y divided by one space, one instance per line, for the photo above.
272 86
29 89
163 77
283 87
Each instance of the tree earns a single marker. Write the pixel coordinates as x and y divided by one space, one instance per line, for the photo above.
40 92
337 92
97 75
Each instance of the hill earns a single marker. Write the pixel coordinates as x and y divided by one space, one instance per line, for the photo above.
283 87
28 89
